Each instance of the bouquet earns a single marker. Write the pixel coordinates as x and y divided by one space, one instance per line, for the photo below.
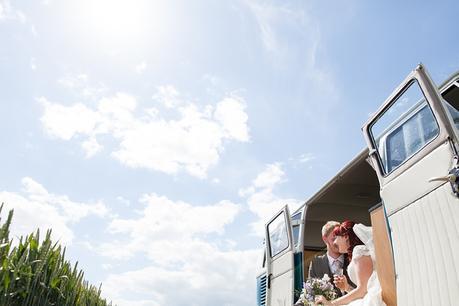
316 286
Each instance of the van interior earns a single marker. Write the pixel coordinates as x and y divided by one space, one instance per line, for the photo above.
349 196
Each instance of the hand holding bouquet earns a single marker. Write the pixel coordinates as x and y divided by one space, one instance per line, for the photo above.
314 287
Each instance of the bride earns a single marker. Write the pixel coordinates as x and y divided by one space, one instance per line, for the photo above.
357 241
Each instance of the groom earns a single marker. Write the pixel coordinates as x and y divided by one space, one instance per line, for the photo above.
331 262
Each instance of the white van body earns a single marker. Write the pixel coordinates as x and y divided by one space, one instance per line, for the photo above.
405 185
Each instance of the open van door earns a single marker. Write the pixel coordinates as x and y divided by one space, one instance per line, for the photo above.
279 251
413 142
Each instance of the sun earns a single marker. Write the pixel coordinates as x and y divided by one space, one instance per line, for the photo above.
118 26
117 18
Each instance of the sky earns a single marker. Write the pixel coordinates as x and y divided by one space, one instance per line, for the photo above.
156 138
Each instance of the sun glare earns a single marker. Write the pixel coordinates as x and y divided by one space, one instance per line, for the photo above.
117 18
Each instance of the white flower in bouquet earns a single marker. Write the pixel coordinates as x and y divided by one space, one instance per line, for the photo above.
316 286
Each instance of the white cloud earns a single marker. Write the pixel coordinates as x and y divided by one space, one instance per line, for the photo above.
306 157
33 64
8 12
80 84
272 175
278 24
107 266
231 113
264 15
66 121
34 31
163 223
75 81
211 277
271 18
124 201
140 68
214 85
261 198
212 79
185 266
116 113
168 96
69 210
91 147
35 207
193 142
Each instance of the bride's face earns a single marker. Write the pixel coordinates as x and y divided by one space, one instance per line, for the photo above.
342 242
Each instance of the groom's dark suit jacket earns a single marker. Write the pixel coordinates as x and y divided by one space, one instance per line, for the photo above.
319 267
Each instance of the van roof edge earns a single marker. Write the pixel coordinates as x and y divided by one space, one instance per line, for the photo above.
357 159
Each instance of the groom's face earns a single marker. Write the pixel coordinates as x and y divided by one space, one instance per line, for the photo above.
329 241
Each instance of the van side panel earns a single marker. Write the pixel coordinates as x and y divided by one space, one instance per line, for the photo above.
425 238
282 280
414 182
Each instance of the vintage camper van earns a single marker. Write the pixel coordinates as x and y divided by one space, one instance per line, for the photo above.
404 185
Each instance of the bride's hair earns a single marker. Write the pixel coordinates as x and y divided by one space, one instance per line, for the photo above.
346 229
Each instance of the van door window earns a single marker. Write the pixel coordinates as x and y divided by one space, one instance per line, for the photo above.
278 236
404 129
296 228
451 96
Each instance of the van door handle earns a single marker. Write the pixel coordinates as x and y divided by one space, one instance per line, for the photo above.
447 178
452 178
269 280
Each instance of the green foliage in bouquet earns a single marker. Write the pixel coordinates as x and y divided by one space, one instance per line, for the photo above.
36 273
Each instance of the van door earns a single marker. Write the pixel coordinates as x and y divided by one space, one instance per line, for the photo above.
413 145
279 250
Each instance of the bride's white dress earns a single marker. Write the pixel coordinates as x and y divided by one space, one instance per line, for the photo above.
373 296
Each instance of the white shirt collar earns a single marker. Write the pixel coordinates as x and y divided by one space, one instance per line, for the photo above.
331 259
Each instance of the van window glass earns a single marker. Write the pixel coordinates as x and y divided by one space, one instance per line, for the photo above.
451 96
411 136
296 234
296 216
405 128
296 229
454 113
278 237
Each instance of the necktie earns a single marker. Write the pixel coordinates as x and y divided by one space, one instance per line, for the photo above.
337 266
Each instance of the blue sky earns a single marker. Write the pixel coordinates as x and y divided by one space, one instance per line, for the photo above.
156 137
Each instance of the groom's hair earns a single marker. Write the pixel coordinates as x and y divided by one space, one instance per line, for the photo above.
329 227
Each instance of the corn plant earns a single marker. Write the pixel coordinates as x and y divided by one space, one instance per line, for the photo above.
35 272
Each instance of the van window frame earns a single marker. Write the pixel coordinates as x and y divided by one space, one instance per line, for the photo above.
447 133
297 216
287 247
401 121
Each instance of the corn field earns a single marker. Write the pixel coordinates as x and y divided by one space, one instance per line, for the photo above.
36 273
